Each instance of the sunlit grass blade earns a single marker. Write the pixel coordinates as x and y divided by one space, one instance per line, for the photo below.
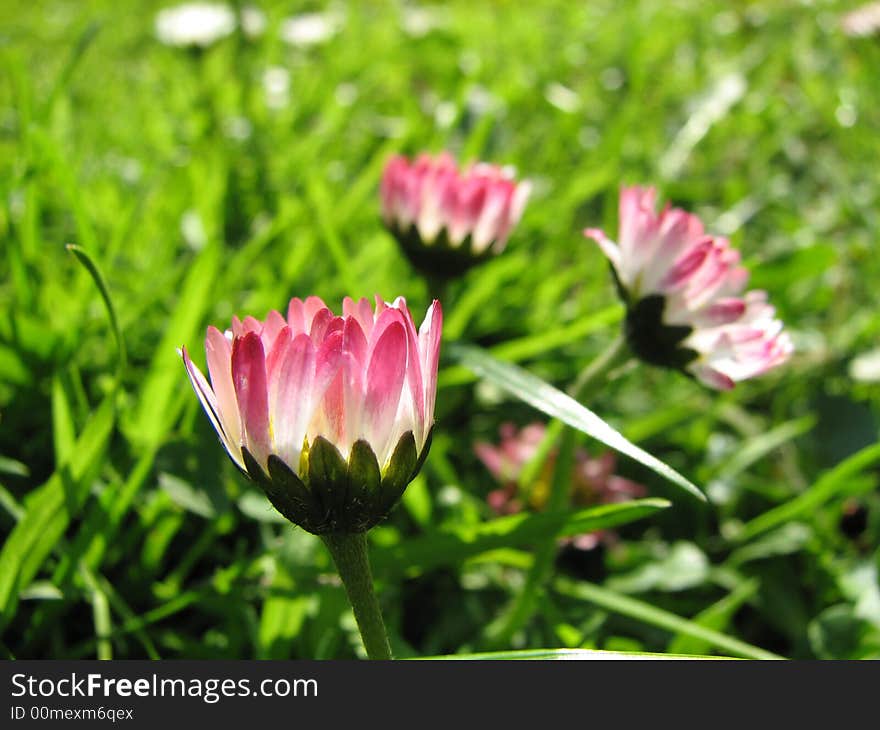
154 413
716 617
88 262
646 613
548 399
567 654
320 202
83 42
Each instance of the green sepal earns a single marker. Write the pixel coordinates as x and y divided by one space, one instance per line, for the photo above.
328 478
301 502
653 341
364 485
398 474
424 455
257 475
334 496
439 258
284 490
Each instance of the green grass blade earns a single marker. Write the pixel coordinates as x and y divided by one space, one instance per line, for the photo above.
88 262
543 396
49 510
154 413
830 483
538 344
758 447
716 617
319 199
459 543
646 613
565 654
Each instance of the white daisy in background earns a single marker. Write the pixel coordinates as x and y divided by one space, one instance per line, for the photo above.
418 21
194 25
253 21
276 85
311 29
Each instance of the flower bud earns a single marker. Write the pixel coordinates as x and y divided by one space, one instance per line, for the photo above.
448 220
330 415
683 290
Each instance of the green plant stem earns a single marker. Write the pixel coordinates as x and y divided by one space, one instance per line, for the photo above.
438 287
500 631
614 355
349 552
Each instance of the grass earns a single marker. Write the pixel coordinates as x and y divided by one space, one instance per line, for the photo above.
126 533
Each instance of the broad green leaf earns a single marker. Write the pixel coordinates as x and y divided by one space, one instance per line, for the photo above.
548 399
685 566
255 506
186 496
284 612
785 540
838 633
459 543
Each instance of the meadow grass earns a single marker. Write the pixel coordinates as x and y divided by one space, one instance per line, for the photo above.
126 532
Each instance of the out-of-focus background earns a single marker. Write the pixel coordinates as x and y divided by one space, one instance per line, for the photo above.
225 180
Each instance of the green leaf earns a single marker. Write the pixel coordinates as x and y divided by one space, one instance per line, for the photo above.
256 507
838 633
685 566
455 544
186 496
547 399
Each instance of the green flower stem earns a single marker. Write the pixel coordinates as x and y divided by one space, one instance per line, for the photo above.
616 354
349 552
438 287
514 617
502 629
